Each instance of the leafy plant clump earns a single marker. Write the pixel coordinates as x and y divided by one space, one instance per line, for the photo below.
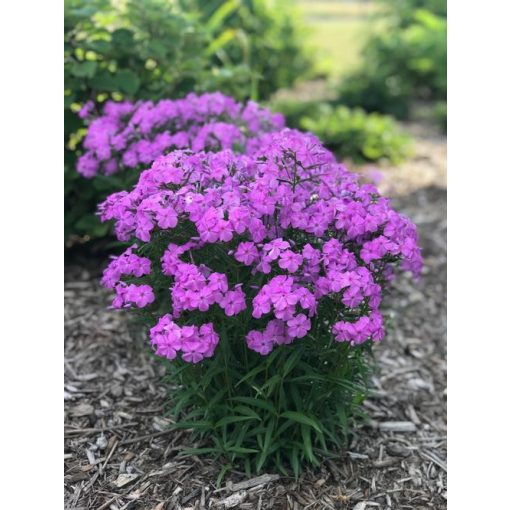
361 136
260 277
404 64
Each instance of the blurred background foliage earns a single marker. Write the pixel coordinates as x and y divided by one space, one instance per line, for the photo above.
363 65
354 134
405 63
383 57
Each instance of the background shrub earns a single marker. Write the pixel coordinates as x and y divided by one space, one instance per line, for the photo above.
259 35
406 62
354 134
402 12
350 132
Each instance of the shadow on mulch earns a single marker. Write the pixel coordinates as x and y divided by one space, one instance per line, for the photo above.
119 454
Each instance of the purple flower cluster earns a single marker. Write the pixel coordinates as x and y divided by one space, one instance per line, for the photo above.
128 135
195 343
261 238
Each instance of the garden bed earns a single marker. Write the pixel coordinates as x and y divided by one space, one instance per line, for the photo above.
120 454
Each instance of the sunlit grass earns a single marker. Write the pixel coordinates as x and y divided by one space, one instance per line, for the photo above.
338 30
329 8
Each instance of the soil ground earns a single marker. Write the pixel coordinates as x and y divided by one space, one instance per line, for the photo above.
119 453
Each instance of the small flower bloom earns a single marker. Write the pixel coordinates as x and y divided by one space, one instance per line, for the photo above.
259 342
290 261
298 326
246 253
233 302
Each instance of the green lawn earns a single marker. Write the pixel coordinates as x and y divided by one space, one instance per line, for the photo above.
338 31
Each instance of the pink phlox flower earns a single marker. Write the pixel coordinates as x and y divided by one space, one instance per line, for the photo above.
139 295
233 302
275 332
298 326
194 347
290 261
274 248
246 253
259 342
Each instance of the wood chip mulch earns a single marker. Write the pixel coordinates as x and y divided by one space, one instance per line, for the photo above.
120 455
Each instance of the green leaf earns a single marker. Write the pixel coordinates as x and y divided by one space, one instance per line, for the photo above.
267 444
240 449
104 81
247 412
91 223
307 443
123 37
100 47
157 49
252 373
222 40
272 383
261 404
68 100
303 419
222 474
291 361
128 81
84 69
231 419
219 16
294 461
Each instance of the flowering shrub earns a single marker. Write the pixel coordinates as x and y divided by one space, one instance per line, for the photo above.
128 134
261 277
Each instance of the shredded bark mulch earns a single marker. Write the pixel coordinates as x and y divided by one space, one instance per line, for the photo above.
120 454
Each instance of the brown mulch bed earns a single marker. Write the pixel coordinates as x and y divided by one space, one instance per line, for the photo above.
119 453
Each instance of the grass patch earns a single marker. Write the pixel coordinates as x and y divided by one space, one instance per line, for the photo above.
338 31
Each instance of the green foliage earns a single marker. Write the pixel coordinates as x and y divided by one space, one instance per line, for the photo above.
377 92
152 49
260 35
405 63
294 110
290 408
350 133
402 12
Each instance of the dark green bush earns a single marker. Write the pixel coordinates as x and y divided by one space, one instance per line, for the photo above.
404 63
157 48
350 133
